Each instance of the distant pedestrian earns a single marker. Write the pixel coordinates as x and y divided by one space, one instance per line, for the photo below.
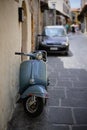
67 27
73 28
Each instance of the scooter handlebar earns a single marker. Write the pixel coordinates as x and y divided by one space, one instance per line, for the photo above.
25 54
19 53
34 54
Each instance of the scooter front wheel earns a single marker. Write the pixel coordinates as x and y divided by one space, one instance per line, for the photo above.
33 106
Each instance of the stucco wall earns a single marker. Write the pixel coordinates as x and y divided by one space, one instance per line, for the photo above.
35 22
58 4
10 41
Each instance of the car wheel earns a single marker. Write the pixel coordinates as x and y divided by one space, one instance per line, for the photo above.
66 53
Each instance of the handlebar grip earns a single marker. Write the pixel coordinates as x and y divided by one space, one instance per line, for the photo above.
19 53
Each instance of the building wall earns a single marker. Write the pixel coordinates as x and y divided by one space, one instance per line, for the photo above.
84 20
75 13
66 7
63 7
83 2
35 21
10 42
58 5
26 28
40 21
84 25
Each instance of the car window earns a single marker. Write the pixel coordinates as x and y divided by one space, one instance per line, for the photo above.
52 32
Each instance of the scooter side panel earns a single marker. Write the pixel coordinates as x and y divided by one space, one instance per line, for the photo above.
40 72
37 90
25 72
35 69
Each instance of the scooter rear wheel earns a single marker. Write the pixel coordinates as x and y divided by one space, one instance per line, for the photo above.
33 107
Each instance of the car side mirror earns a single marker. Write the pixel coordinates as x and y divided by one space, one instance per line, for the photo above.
43 35
39 35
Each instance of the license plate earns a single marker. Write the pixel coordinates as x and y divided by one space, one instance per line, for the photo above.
53 48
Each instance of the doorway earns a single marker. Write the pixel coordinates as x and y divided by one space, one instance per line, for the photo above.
24 31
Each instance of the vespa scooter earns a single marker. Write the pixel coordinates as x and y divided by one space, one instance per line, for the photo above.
33 83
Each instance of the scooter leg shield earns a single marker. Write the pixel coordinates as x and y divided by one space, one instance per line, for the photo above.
36 90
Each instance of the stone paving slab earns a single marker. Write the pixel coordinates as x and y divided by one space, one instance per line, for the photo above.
80 84
79 127
64 83
55 94
56 127
74 102
81 115
51 102
75 93
68 78
60 115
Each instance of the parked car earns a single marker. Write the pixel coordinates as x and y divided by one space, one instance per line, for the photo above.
54 39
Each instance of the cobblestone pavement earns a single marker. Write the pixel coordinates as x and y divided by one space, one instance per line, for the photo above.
66 108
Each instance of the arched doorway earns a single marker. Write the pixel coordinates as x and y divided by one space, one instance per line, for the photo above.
24 31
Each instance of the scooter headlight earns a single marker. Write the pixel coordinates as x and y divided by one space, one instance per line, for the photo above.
31 81
39 55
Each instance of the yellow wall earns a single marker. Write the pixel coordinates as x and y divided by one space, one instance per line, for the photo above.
10 41
76 16
76 13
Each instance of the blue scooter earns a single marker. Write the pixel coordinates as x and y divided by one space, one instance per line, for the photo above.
33 83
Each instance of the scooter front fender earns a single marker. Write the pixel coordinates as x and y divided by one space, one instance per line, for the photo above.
36 90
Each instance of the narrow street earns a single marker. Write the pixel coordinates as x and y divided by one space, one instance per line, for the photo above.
66 108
